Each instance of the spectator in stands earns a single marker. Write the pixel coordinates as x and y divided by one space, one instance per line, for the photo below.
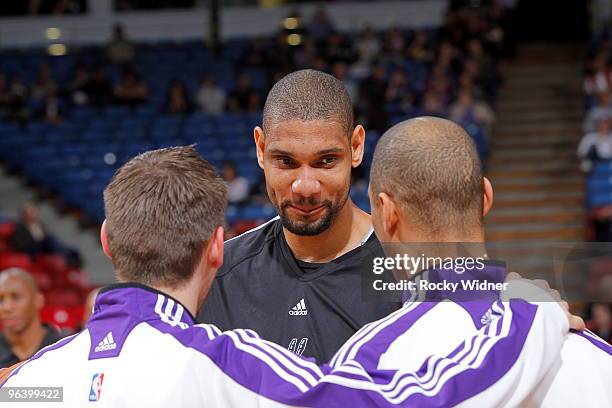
341 71
419 49
120 49
601 321
597 145
23 334
177 102
243 92
398 87
98 90
373 105
77 88
30 236
368 45
483 70
237 187
320 26
19 95
255 103
465 111
338 50
394 43
602 109
211 98
597 78
130 90
52 108
45 84
433 105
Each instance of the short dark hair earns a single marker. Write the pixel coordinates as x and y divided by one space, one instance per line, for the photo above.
308 95
161 208
432 169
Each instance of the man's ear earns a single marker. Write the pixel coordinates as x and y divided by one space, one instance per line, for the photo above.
260 145
357 145
39 301
488 197
214 251
104 240
390 216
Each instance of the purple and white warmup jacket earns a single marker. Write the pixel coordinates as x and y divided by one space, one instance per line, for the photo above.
493 358
141 348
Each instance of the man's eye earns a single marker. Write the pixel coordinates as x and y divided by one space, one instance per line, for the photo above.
328 161
284 162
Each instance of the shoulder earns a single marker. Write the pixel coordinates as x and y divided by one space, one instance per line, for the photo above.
46 359
247 245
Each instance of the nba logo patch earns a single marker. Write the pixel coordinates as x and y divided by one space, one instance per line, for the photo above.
96 387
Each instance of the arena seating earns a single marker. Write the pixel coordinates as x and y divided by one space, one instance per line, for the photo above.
65 287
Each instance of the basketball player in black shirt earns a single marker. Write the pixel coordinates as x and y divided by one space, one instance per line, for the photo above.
297 280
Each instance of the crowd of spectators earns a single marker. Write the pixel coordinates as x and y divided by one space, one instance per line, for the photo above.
595 148
595 154
449 71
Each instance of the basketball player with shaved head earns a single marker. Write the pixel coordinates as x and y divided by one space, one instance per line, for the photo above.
141 348
426 186
296 280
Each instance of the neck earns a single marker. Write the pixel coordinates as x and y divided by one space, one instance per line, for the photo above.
185 294
450 243
345 233
26 342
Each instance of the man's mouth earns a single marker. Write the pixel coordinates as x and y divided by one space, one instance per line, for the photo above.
306 211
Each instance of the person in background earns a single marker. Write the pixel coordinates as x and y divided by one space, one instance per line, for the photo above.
601 321
45 84
97 89
602 109
178 101
597 145
76 90
23 334
341 71
211 97
419 48
398 87
465 111
120 50
30 235
130 90
237 187
243 92
321 26
52 108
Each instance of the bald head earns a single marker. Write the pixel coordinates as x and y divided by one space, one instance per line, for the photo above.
431 169
308 95
20 301
17 273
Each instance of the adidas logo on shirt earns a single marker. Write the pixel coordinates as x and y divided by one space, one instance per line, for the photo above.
487 317
299 309
107 343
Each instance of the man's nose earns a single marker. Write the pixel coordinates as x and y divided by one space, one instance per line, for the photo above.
306 184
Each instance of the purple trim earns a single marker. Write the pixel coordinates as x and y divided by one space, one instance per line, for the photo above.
597 341
369 353
498 361
54 346
121 307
